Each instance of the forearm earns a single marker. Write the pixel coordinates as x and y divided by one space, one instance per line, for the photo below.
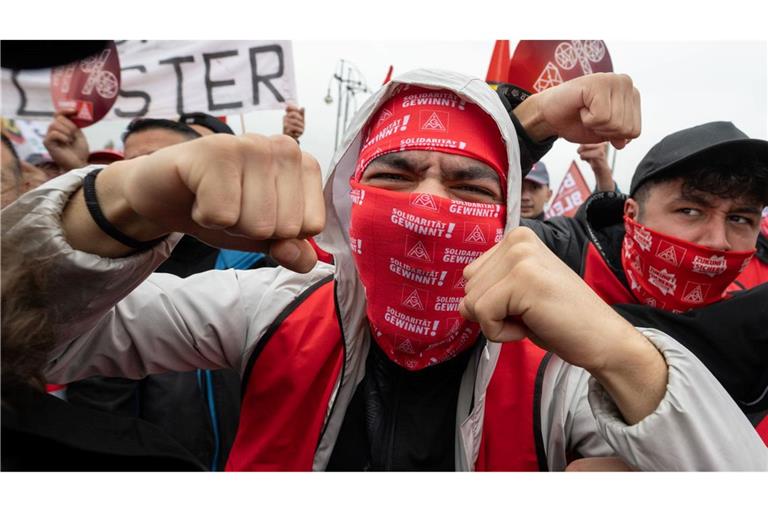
695 427
633 373
604 181
82 232
530 117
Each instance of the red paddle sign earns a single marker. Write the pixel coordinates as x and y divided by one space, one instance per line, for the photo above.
89 86
539 65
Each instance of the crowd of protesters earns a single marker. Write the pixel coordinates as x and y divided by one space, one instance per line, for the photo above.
208 303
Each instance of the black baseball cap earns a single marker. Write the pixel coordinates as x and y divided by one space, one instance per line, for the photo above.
682 146
538 174
213 123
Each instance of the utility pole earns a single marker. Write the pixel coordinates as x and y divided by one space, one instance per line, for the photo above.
350 81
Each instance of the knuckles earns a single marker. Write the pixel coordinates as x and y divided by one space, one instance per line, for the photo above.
219 217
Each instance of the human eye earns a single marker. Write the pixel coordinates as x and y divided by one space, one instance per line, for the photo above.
689 212
387 176
475 189
741 219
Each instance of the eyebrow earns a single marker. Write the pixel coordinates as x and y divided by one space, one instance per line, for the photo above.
703 201
473 172
396 161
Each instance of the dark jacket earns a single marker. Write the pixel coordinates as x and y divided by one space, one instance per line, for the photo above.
729 337
43 433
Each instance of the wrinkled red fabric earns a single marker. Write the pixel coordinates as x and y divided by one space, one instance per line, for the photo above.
675 275
410 251
417 118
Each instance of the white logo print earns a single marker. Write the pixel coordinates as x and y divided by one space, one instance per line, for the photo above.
419 252
475 236
643 238
632 281
695 292
670 253
425 201
711 267
665 281
385 114
434 122
414 301
745 264
406 347
357 196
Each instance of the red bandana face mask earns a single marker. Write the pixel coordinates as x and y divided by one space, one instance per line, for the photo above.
410 251
671 274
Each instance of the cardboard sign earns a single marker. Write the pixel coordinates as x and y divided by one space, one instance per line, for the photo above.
539 65
573 191
89 86
166 79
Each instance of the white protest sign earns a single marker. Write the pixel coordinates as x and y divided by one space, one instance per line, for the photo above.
168 78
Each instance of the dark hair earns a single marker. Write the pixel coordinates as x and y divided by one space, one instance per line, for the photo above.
146 123
12 149
724 174
27 326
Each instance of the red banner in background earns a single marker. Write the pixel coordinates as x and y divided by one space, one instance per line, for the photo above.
540 64
89 86
573 191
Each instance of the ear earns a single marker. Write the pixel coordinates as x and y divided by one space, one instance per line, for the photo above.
632 209
549 193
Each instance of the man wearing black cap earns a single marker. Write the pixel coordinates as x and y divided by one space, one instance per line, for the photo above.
205 124
536 192
687 229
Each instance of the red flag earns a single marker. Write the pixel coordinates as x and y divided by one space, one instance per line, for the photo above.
389 75
539 65
764 222
498 69
572 192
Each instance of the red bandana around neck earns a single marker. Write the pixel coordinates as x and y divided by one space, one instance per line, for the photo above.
410 250
417 118
673 274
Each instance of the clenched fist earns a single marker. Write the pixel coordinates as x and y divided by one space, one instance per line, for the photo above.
520 289
591 108
250 192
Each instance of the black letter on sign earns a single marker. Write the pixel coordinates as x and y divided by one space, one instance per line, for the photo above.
266 78
134 94
22 107
176 61
210 84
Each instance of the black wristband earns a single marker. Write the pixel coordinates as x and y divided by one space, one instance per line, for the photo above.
92 202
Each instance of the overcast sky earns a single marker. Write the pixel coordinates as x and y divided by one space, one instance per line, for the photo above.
681 83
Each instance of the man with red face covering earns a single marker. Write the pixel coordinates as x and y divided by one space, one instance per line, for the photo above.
686 231
380 362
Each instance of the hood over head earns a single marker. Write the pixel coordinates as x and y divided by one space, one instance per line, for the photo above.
335 237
